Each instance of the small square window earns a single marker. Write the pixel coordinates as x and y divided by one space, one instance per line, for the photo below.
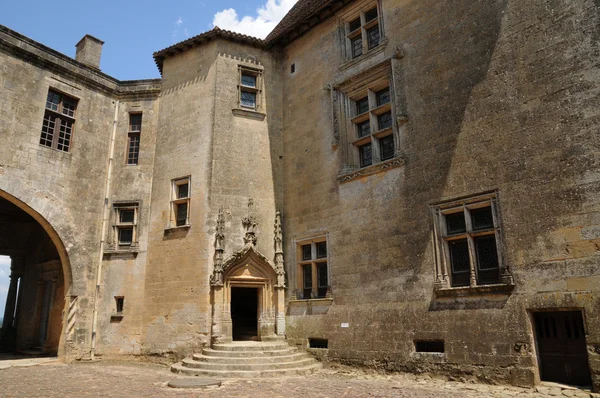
126 216
354 24
248 99
482 219
373 37
183 191
248 80
383 96
455 223
125 224
362 106
371 15
384 120
321 249
125 235
363 129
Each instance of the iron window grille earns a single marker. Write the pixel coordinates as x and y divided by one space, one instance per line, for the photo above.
363 31
180 202
59 121
249 88
133 138
313 269
470 243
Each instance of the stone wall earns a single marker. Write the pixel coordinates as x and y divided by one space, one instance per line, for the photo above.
499 96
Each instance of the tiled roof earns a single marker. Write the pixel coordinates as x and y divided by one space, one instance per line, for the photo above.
180 47
299 13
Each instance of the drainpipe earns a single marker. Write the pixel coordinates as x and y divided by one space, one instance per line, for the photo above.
103 231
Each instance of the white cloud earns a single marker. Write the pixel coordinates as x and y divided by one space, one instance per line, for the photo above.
177 25
268 16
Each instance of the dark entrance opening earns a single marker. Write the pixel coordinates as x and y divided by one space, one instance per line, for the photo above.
244 313
562 347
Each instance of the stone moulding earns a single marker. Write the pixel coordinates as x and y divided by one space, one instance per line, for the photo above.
370 170
467 291
247 113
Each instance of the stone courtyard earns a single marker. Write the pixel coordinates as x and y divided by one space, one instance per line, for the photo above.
135 379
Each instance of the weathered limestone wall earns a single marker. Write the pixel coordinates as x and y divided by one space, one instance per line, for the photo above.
176 315
499 96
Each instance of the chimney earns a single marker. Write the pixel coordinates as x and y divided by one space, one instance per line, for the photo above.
89 50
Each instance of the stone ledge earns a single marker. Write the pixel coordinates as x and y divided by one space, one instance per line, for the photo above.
373 169
123 253
250 114
499 288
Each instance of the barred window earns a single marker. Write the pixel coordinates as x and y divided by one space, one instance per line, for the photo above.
313 268
133 138
125 224
59 120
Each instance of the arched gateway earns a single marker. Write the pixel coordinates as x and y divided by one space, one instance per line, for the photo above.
248 290
33 320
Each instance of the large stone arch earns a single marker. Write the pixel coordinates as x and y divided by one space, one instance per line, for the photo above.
39 304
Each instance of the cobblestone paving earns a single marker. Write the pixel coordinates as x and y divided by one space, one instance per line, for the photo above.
114 379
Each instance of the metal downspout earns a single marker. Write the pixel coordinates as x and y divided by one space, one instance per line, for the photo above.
103 232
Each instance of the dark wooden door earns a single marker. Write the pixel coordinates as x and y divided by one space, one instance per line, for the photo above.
562 348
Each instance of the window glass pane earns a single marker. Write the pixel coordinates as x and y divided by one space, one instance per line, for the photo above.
482 219
306 252
135 122
307 276
383 96
321 249
487 260
366 156
322 281
356 45
354 24
362 106
181 216
455 223
126 216
125 236
386 145
248 80
371 15
69 106
133 151
64 135
248 99
460 264
183 190
48 129
373 36
52 100
363 129
385 120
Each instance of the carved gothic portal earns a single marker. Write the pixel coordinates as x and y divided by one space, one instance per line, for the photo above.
247 276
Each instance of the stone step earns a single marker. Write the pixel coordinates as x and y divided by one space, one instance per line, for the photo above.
209 352
300 371
190 363
234 360
250 346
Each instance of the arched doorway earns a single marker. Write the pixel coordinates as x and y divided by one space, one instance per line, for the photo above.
248 299
33 313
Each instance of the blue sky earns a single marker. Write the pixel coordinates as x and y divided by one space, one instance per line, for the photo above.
133 30
4 281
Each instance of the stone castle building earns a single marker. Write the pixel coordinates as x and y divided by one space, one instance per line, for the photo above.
413 186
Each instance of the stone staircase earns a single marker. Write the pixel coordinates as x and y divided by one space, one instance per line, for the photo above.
248 359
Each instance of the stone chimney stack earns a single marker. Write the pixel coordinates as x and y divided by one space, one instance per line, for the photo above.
89 50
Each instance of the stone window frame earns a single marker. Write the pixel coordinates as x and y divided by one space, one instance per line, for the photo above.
359 12
117 225
313 262
56 116
177 201
244 70
134 132
443 262
345 96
